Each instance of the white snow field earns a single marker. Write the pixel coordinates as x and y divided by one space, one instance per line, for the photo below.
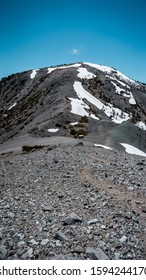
133 150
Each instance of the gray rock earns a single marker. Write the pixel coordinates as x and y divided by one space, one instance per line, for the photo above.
44 242
143 209
96 254
21 236
58 243
81 238
130 188
20 243
20 252
123 239
103 226
93 221
72 219
117 255
47 208
3 252
78 249
33 242
61 236
29 253
11 215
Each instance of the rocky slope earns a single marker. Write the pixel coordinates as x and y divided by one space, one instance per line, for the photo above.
72 202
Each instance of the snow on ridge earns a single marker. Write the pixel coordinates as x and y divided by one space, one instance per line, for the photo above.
85 74
69 66
133 150
141 125
33 74
51 69
113 72
125 78
100 67
12 106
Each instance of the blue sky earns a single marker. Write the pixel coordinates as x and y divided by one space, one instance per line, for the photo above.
41 33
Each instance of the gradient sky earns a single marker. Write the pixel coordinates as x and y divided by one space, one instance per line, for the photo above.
41 33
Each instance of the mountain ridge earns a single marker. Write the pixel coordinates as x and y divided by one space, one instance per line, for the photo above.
106 106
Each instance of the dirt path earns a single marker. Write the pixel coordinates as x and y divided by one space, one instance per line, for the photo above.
16 143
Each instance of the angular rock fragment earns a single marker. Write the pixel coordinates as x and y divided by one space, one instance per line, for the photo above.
72 219
61 236
96 254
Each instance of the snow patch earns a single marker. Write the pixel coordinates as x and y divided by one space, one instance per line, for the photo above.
74 123
117 115
82 93
141 125
93 117
33 74
102 146
133 150
121 83
51 69
12 106
131 99
78 107
118 89
127 94
85 74
53 130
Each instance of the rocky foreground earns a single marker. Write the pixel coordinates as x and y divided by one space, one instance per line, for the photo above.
72 202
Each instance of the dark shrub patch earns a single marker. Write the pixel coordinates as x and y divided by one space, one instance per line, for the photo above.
27 148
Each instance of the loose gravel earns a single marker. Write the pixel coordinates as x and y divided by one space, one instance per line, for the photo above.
72 202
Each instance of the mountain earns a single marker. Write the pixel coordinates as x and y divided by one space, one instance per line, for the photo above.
83 100
68 189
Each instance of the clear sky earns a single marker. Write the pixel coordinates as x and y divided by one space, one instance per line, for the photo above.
41 33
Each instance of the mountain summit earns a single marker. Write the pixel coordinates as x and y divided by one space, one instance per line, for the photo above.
83 100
